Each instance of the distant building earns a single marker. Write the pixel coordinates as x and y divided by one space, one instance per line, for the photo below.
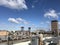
54 27
4 34
21 34
22 28
29 29
39 32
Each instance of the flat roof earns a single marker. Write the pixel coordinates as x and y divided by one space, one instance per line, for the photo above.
54 21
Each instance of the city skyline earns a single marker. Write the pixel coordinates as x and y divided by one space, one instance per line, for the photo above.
28 13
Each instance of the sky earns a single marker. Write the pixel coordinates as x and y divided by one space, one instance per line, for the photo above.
36 14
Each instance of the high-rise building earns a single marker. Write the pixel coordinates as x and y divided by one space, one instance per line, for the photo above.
54 27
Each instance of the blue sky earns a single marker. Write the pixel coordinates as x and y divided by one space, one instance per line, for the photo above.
28 13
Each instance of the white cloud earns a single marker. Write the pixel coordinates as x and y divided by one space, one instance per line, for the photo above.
14 4
59 23
33 6
25 22
42 23
22 20
13 20
18 20
47 22
51 13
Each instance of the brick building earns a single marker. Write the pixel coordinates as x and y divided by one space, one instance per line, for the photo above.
54 27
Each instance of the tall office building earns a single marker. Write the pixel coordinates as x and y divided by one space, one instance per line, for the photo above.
54 27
